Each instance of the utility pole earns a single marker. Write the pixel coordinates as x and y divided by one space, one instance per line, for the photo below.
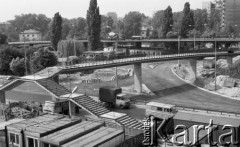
178 50
25 57
215 65
75 52
116 78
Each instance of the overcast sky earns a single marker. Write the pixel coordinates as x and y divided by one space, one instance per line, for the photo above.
78 8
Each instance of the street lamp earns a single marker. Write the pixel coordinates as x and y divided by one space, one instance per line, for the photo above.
179 37
74 40
25 57
194 41
215 65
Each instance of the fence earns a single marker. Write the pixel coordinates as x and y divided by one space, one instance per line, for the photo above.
213 111
132 142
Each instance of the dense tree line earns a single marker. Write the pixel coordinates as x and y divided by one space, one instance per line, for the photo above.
13 61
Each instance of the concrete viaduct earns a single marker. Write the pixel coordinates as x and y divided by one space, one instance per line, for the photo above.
53 72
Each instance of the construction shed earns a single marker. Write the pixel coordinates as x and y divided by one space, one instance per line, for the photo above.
102 137
69 134
28 132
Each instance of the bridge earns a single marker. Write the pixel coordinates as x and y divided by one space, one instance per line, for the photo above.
232 40
53 72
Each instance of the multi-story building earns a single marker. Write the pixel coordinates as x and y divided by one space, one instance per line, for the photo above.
208 5
231 14
146 31
30 35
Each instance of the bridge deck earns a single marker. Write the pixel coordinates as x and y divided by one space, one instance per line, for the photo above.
52 71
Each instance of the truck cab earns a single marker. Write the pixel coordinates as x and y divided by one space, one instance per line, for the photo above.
122 100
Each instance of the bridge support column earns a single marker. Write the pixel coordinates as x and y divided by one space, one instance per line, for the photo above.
138 77
193 64
229 61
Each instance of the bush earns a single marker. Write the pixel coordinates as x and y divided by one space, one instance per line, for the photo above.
41 59
7 53
17 66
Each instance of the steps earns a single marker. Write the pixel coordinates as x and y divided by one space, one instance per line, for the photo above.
91 106
130 122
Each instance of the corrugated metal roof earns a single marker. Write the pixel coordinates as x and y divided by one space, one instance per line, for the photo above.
94 138
68 134
44 123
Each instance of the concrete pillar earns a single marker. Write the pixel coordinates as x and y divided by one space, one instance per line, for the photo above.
193 64
72 109
229 61
138 77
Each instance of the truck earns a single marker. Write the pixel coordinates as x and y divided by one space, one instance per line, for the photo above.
113 97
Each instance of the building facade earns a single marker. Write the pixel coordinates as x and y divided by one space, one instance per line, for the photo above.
231 14
208 5
30 35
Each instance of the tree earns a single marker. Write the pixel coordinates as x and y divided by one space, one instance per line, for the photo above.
167 21
154 35
28 21
93 25
157 19
3 38
215 20
17 66
65 28
107 24
132 23
56 32
187 21
200 19
7 53
41 59
120 26
172 34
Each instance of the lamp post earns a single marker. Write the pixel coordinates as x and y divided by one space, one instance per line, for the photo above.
74 40
215 87
25 57
194 37
179 37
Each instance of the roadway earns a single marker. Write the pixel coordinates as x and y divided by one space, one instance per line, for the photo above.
170 89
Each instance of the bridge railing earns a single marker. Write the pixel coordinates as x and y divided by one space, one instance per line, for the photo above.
209 111
124 60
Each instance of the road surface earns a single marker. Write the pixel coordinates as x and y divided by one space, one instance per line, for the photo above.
170 89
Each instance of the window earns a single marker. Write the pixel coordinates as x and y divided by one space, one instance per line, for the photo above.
159 108
32 142
14 140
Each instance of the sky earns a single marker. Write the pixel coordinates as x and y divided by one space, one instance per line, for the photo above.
78 8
